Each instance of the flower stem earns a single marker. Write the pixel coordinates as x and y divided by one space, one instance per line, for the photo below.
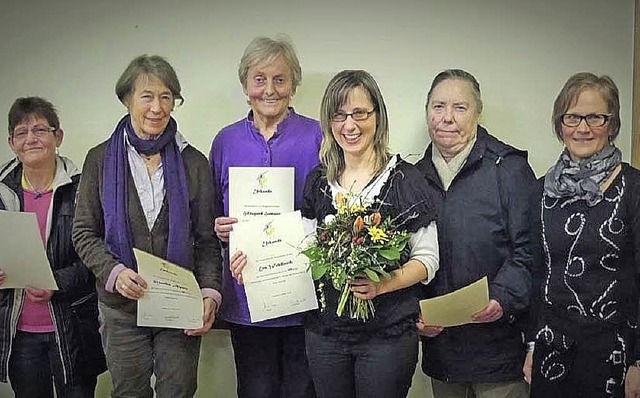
346 291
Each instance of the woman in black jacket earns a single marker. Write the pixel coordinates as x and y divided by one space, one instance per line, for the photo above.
47 334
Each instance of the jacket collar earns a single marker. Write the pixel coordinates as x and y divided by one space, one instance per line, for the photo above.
476 155
11 173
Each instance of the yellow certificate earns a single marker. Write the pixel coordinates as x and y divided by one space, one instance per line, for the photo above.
456 308
173 298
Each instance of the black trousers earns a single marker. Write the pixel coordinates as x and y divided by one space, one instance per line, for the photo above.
271 362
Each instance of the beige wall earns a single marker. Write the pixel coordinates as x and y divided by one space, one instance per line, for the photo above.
72 52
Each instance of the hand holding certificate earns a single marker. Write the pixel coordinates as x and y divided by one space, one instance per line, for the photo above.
276 277
458 307
173 298
23 259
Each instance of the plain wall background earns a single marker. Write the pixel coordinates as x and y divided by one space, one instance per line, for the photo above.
72 52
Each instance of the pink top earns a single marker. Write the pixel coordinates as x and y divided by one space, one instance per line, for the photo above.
36 317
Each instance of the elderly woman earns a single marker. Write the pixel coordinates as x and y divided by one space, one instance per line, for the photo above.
584 332
146 187
47 338
483 230
269 355
377 357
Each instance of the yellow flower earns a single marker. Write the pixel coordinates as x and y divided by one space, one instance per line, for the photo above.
356 208
377 234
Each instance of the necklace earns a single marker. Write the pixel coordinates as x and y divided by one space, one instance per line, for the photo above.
37 192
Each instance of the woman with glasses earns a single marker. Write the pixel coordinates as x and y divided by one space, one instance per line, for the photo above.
584 336
146 187
269 355
48 339
375 357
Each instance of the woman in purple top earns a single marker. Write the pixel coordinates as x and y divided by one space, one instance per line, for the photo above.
270 355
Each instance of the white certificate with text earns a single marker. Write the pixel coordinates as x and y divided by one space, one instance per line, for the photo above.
260 191
23 258
172 299
277 279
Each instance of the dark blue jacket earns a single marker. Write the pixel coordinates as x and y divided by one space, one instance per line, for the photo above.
75 306
483 229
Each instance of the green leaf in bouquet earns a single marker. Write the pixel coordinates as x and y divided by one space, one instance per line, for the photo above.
318 270
390 253
372 275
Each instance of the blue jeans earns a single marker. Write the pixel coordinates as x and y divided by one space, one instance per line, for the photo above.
271 362
35 367
375 368
135 353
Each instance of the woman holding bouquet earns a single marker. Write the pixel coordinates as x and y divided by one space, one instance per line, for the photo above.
370 353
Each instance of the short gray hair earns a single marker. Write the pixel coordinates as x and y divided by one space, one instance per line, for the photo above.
148 65
264 49
450 74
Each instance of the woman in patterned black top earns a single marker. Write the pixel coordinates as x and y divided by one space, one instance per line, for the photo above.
375 358
583 335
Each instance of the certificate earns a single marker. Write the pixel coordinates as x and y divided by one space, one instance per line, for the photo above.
260 191
456 308
277 279
173 298
23 258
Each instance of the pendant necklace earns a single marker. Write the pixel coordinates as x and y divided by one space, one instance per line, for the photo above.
37 193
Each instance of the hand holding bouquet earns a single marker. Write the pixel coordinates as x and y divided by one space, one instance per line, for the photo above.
356 242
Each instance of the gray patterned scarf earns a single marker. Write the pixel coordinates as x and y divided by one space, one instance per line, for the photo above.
581 180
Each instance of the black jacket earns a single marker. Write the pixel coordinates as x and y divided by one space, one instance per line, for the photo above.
75 306
483 229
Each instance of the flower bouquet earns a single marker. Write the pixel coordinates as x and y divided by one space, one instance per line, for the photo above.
356 242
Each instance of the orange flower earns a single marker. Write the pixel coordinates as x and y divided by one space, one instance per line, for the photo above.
376 218
358 224
340 199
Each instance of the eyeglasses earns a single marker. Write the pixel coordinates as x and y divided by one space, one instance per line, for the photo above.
357 115
38 131
592 119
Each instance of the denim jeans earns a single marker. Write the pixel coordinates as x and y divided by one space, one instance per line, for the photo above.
271 362
135 353
35 367
375 368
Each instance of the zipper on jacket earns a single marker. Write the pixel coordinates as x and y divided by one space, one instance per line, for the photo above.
59 344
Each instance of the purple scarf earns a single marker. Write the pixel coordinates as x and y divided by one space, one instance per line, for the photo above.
115 193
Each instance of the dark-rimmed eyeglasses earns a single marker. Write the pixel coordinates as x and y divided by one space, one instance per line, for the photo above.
592 119
38 131
358 115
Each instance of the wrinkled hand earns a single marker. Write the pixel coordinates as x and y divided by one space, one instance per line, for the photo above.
526 368
428 330
491 313
364 288
36 295
130 284
3 276
223 227
236 264
209 315
632 383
